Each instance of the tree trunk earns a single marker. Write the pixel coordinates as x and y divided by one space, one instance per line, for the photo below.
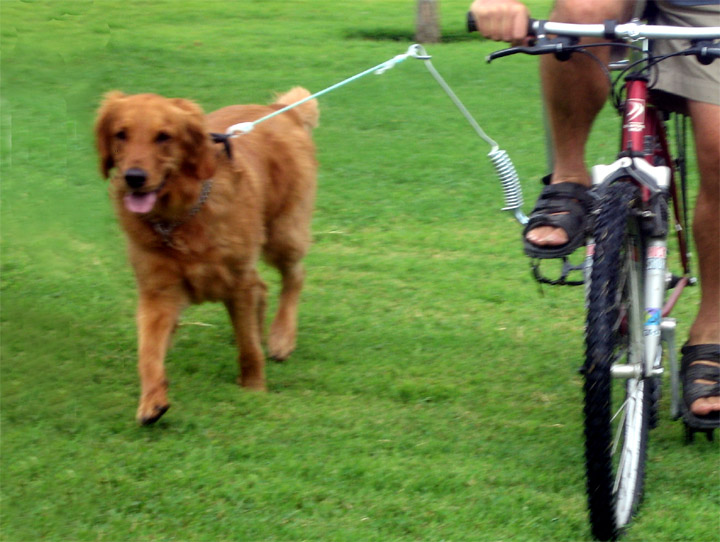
427 29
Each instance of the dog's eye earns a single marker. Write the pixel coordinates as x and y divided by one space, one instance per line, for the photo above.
162 137
121 135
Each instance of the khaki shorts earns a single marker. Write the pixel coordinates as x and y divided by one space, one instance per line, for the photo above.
684 75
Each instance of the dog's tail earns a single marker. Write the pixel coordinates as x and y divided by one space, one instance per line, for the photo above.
309 112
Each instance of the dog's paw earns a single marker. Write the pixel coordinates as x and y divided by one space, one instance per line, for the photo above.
152 407
253 384
148 418
280 345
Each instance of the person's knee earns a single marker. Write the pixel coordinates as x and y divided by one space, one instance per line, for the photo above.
591 11
708 156
706 127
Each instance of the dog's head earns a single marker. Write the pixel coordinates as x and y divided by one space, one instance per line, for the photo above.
150 141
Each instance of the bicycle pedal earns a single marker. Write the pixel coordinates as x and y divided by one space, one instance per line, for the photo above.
563 273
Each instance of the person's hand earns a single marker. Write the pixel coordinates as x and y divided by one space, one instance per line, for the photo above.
502 20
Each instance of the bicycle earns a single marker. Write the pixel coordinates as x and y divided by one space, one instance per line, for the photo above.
625 268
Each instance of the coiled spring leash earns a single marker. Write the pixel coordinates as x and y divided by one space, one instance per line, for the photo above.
500 159
509 179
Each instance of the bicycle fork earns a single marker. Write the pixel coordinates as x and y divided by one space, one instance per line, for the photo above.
648 310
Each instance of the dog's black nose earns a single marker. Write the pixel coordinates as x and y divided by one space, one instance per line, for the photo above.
135 177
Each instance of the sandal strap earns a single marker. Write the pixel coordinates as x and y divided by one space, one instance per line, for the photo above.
691 371
570 221
696 390
700 352
564 193
701 371
562 205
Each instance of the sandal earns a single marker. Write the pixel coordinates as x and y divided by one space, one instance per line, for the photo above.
693 390
563 205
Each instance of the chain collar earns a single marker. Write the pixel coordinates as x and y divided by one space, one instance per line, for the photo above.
166 229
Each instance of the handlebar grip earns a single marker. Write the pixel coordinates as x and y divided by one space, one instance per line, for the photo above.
471 26
706 52
532 32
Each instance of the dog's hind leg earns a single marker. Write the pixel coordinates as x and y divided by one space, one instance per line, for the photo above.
283 331
156 318
245 310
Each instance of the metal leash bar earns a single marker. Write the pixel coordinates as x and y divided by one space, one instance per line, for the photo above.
509 179
504 167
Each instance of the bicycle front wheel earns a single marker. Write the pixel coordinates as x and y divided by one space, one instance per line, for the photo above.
617 410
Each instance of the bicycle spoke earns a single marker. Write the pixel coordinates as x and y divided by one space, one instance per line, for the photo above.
624 409
620 409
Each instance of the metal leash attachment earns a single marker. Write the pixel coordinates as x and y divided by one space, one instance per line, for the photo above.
504 167
509 178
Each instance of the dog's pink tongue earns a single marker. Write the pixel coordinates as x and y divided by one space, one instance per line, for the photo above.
140 203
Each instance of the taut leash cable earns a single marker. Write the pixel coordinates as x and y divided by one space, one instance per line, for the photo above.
245 127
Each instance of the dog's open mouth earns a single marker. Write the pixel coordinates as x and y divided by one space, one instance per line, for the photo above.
140 202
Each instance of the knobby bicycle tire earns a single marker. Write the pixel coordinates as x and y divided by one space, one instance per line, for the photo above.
615 480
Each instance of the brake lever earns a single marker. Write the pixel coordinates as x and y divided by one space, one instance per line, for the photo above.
561 46
510 51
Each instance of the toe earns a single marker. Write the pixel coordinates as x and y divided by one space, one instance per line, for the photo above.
547 236
705 405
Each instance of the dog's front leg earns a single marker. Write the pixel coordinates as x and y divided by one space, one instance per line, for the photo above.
283 330
246 311
156 319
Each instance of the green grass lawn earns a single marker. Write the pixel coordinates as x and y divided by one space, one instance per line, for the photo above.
434 394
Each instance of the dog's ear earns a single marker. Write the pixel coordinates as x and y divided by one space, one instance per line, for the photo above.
103 136
199 153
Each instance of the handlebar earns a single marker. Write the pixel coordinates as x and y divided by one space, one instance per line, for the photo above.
611 30
631 30
567 34
705 51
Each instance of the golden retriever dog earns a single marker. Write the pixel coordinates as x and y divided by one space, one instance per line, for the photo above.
199 214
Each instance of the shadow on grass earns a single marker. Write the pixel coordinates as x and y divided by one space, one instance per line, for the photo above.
396 34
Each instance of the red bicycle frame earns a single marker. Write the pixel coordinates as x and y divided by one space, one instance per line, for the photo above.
644 134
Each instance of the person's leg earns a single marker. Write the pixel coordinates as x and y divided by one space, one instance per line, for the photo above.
574 91
706 231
